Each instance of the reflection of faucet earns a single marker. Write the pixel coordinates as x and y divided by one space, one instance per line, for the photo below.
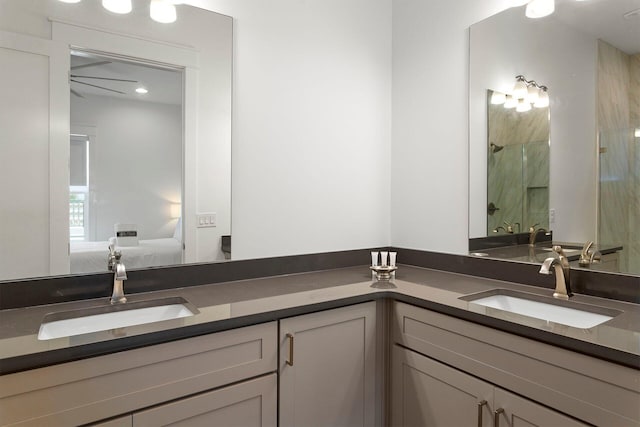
589 256
498 228
510 226
560 263
120 274
533 233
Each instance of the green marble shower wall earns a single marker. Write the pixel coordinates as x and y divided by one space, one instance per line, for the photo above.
619 159
518 170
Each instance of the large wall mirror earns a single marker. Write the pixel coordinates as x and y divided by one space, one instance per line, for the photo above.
118 131
577 164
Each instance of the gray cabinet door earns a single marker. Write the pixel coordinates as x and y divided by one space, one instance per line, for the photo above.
247 404
427 393
521 412
328 368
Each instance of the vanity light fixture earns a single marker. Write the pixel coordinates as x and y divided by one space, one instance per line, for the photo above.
525 93
520 89
163 11
498 98
510 102
540 8
543 98
117 6
523 106
536 8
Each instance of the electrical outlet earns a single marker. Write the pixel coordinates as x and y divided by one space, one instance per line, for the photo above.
552 216
206 220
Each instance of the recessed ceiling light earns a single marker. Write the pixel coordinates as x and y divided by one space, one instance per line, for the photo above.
141 90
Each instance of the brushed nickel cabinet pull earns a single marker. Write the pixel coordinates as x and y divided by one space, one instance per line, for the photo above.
290 360
496 417
480 406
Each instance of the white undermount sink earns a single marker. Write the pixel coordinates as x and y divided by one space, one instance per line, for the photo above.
568 313
95 319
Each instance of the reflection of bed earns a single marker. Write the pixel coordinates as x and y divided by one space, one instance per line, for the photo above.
90 257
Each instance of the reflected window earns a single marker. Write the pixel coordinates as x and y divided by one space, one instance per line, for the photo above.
78 187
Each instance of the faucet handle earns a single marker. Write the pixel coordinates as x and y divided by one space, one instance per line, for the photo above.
558 249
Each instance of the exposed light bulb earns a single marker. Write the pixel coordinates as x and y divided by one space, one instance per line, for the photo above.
520 88
141 90
532 94
540 8
510 102
498 98
543 99
70 1
117 6
523 106
163 11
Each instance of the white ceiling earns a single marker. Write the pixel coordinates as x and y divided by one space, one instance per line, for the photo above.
164 86
604 20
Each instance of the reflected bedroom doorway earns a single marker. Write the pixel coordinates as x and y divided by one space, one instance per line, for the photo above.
126 162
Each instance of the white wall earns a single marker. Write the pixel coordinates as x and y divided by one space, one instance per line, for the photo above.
311 124
563 59
136 163
429 197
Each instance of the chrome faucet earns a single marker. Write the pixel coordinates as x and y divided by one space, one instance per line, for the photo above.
589 256
120 274
533 233
560 264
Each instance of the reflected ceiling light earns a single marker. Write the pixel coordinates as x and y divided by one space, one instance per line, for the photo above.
163 11
498 98
117 6
540 8
510 102
543 98
141 90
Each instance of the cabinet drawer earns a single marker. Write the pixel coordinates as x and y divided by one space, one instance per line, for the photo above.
102 387
587 388
247 404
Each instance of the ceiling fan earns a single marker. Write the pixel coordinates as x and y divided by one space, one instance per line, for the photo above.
74 78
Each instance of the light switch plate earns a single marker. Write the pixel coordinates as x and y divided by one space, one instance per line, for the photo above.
206 220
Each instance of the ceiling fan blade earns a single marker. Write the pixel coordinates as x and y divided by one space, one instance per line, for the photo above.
93 64
103 78
76 93
99 87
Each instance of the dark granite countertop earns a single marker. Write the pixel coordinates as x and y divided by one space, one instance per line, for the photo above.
235 304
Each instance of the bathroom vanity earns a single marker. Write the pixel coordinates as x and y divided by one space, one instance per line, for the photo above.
338 348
